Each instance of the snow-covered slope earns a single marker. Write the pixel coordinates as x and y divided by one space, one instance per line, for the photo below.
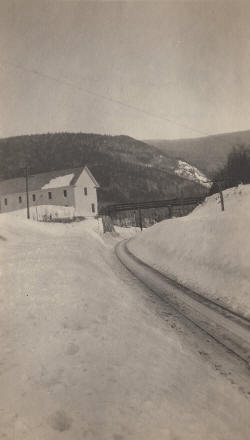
190 172
208 250
180 168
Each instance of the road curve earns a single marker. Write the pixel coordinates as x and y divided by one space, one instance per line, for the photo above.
228 328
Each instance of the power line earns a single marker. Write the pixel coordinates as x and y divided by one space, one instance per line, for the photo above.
105 97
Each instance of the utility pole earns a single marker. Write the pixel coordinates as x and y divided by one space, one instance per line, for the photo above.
221 196
219 187
140 218
27 191
222 201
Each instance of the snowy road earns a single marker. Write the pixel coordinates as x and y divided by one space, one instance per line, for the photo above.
227 328
89 353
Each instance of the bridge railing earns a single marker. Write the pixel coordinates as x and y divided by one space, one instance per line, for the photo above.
108 210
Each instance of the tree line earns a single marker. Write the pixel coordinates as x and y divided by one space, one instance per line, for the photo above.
235 171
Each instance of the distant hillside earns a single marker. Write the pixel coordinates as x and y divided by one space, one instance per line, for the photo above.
206 153
126 169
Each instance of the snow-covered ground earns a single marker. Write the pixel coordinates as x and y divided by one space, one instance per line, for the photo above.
208 250
86 354
45 212
190 172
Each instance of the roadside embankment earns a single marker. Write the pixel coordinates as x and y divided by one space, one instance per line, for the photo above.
208 251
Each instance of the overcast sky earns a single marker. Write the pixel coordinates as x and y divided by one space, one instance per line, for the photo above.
145 69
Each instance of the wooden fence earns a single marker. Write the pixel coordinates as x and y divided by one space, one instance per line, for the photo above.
133 214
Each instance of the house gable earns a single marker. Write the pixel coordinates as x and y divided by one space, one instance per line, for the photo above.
86 179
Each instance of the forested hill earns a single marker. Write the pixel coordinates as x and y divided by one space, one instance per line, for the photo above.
127 169
208 153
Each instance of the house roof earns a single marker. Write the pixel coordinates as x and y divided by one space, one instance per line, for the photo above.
52 179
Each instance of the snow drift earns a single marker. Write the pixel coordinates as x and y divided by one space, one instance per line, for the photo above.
208 250
45 212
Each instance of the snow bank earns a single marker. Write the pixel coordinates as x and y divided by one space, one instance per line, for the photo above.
45 212
208 250
14 229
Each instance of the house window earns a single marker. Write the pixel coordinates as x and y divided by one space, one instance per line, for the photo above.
33 197
6 201
20 199
93 207
50 195
85 191
65 193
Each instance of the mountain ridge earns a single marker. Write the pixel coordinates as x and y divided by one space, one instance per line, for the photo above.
207 153
127 169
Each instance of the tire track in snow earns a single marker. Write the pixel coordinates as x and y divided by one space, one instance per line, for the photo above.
226 327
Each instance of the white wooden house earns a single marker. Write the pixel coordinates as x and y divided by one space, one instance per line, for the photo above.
61 193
